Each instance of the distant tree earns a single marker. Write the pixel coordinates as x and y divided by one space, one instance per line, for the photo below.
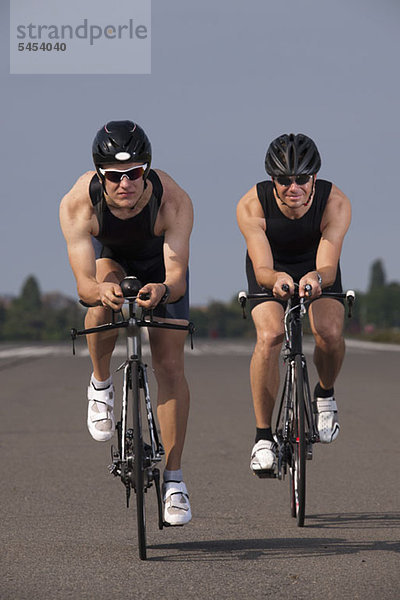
222 320
379 308
3 316
30 297
377 275
25 316
33 316
383 306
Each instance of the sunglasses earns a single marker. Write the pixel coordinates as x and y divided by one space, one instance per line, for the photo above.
285 180
115 176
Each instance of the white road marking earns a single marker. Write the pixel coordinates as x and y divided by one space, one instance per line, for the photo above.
201 348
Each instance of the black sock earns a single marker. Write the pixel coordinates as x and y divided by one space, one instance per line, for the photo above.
264 434
319 392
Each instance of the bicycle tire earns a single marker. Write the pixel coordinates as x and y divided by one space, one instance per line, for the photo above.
138 466
299 458
286 426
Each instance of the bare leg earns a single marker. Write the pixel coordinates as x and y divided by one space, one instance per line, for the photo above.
167 348
264 367
326 319
101 345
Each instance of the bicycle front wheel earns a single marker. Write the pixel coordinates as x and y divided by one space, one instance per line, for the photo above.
138 467
298 479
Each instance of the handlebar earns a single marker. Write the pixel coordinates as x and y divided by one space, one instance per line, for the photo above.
142 296
130 287
307 288
348 296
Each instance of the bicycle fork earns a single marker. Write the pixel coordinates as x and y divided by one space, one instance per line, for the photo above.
311 430
123 457
284 426
284 421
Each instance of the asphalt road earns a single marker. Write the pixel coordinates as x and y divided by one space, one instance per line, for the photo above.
66 533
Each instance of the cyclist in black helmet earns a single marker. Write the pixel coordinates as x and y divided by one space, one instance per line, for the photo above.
128 219
294 226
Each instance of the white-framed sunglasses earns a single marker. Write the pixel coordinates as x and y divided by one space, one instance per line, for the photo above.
116 175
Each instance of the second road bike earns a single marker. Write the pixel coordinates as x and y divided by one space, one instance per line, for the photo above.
295 430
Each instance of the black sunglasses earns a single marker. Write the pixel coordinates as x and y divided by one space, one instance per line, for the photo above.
115 176
285 180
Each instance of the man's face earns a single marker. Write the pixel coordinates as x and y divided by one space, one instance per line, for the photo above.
292 193
121 188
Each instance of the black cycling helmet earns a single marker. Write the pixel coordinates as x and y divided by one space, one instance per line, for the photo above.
292 155
121 142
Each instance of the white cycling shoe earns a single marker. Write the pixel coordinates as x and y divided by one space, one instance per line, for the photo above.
327 419
263 457
176 503
100 419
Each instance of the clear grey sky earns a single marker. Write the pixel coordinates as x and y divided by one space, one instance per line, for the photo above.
227 77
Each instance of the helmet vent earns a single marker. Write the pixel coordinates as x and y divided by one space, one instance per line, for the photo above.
122 156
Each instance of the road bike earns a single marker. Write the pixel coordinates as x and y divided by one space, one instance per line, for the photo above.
295 428
135 459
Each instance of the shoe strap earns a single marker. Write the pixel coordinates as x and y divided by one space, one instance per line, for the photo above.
178 505
174 488
325 405
105 396
104 415
263 445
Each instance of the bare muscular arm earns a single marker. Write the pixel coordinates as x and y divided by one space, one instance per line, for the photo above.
251 220
334 225
78 224
175 221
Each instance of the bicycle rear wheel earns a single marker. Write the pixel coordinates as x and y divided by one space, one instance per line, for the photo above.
298 474
138 466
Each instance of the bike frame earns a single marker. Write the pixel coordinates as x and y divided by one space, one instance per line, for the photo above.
295 428
135 378
135 461
294 314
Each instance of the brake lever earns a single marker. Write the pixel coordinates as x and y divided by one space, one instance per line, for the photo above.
350 297
308 290
73 338
242 297
191 332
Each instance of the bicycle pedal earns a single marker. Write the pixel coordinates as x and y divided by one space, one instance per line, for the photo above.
113 469
265 474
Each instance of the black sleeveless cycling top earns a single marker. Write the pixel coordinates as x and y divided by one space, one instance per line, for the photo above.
293 242
129 239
